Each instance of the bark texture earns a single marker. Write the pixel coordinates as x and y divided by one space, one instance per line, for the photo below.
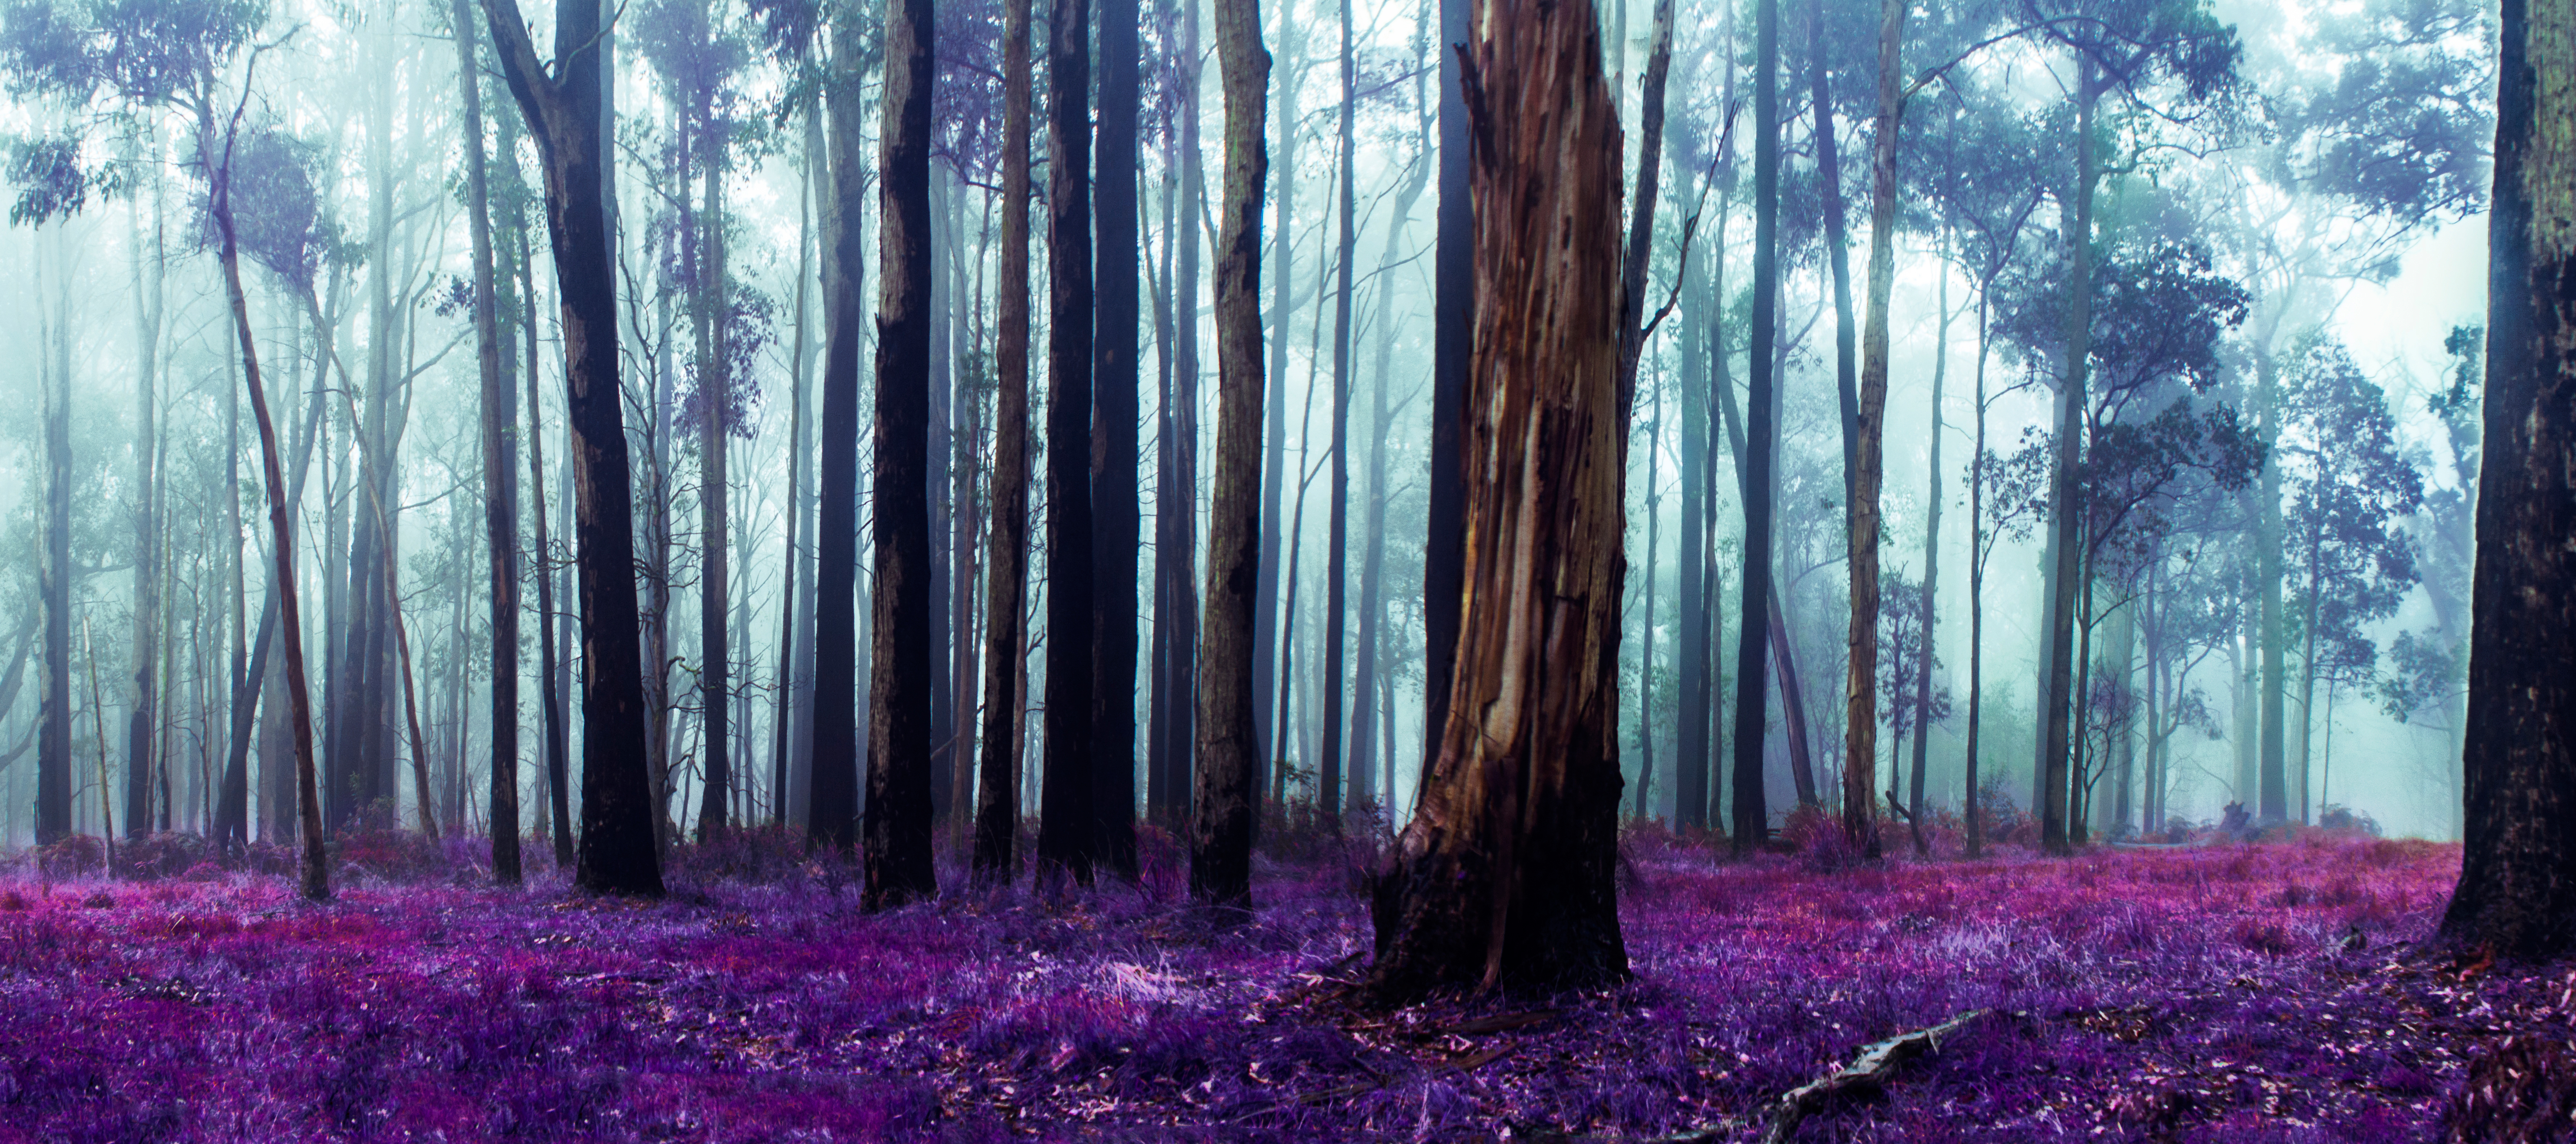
997 809
1504 878
2517 887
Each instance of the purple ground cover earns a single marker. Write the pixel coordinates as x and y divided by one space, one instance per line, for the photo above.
2272 992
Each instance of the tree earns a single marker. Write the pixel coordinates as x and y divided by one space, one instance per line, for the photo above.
1860 722
1114 464
997 810
1504 876
565 112
1328 791
500 464
1229 741
1752 820
832 804
901 664
2517 890
1444 545
1068 835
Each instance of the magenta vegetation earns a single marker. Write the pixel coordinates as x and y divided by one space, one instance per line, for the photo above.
2223 992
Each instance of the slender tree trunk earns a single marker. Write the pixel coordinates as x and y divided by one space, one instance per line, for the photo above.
1980 547
1868 451
1116 520
2064 517
1328 795
54 821
142 724
789 694
1752 819
1068 834
998 807
1931 556
1372 618
1271 723
715 396
1182 662
1641 216
832 804
550 649
2272 759
1229 740
500 469
565 112
1829 180
901 657
1646 724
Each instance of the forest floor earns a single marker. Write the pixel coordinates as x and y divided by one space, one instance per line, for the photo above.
2272 992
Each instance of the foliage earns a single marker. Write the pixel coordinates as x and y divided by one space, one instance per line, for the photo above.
2207 993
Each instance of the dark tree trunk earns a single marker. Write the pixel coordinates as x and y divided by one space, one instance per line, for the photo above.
1328 793
1752 817
715 383
1453 316
1641 217
1068 835
564 110
832 804
550 654
900 670
500 468
1829 180
1505 876
2517 888
1115 383
997 809
1229 743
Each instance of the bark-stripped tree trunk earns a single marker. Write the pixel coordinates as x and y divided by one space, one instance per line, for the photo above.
1067 835
2517 888
500 467
1752 817
1229 743
564 110
832 802
1505 875
900 660
997 808
1860 685
1115 517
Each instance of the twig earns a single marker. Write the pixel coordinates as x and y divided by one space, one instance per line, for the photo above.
1868 1070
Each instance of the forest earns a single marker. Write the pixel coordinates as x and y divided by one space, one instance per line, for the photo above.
1576 570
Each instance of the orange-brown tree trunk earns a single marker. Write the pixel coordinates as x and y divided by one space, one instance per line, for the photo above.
1504 876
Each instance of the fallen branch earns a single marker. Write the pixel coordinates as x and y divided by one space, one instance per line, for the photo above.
1868 1070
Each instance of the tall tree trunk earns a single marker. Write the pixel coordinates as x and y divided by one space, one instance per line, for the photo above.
565 112
1337 527
790 695
54 579
1229 741
1182 658
1980 549
1829 186
1271 723
1691 599
142 724
715 385
500 468
1114 468
1931 557
1505 876
316 881
901 658
2272 759
1646 725
1365 687
2065 517
1068 835
832 802
551 651
1752 817
1641 217
997 810
1860 688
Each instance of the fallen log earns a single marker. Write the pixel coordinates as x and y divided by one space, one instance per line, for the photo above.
1867 1071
